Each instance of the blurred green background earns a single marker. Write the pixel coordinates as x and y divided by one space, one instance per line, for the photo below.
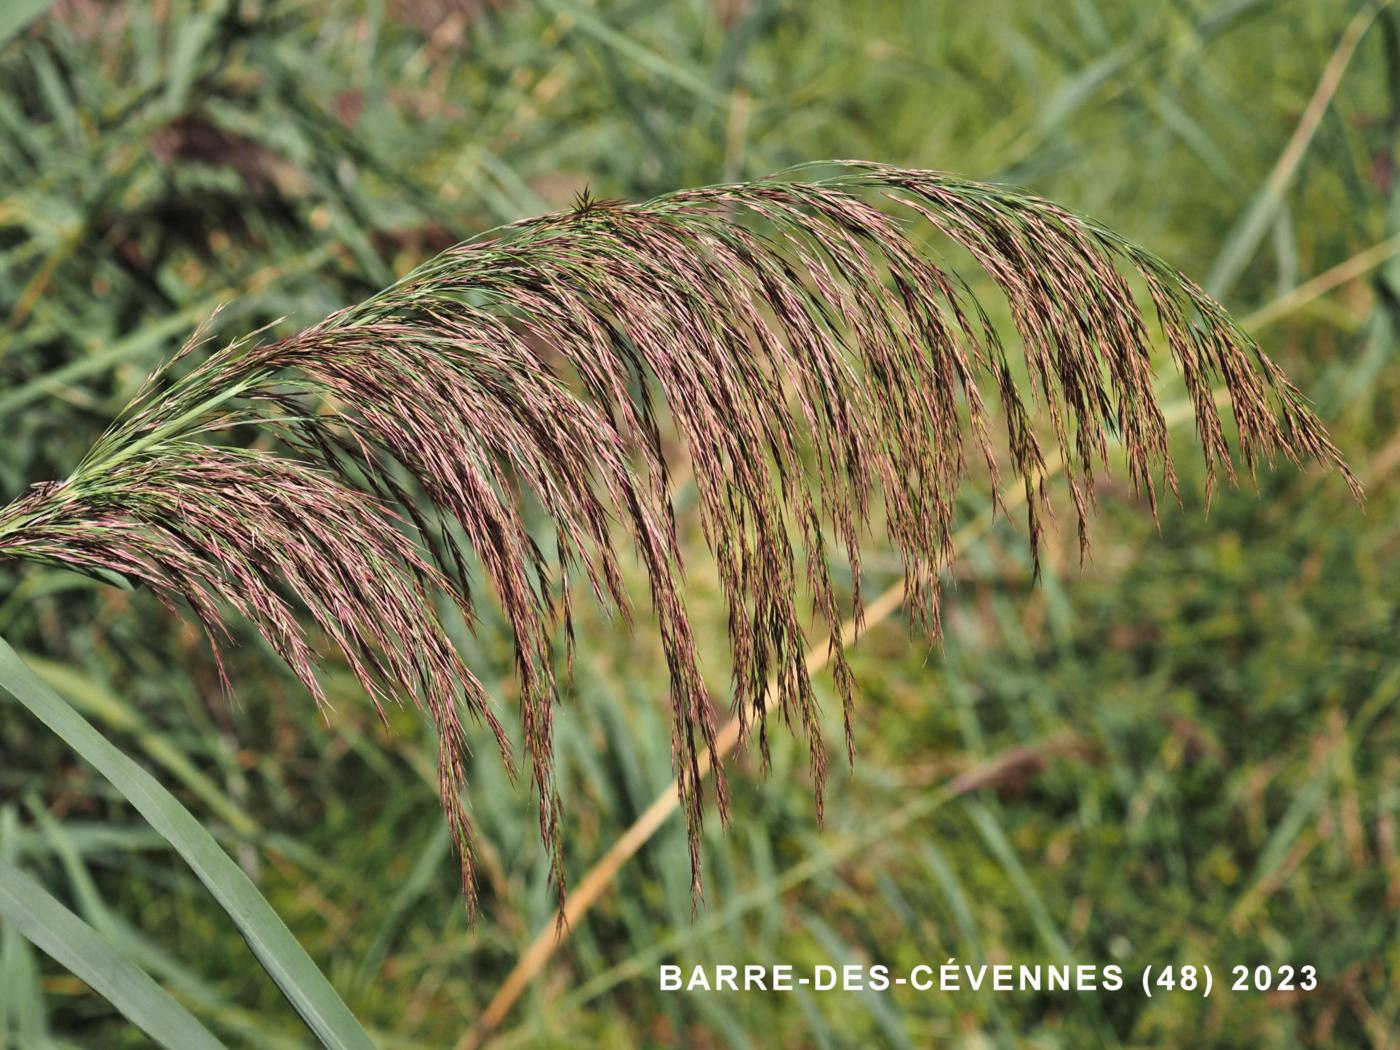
1187 751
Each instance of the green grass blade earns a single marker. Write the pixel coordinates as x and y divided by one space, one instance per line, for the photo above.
19 13
644 57
305 987
107 709
23 1008
55 930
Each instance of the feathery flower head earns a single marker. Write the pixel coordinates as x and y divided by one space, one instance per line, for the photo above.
816 363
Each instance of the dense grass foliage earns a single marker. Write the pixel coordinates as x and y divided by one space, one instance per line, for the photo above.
1181 750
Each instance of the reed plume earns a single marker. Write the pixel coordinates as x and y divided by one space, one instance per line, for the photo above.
822 371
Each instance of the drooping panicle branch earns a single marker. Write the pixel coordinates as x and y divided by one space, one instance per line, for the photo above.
823 372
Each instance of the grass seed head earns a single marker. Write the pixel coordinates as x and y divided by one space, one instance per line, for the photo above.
817 364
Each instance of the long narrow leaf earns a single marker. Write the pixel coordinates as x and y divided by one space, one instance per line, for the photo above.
305 987
55 930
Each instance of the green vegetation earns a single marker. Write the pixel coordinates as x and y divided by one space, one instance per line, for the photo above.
1180 752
